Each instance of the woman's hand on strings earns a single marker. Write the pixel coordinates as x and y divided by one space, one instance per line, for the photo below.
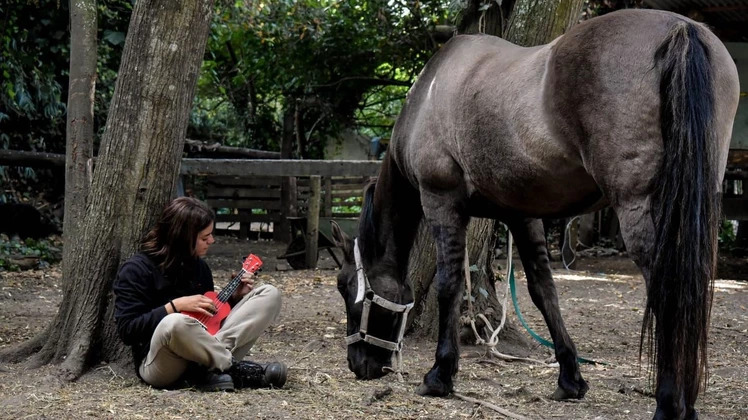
196 303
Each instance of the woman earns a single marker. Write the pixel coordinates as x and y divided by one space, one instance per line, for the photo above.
169 276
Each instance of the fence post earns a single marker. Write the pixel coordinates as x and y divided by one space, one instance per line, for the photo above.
312 220
327 210
289 201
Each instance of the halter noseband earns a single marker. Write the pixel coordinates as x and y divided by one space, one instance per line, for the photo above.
367 295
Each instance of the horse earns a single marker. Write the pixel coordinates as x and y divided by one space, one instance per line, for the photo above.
632 110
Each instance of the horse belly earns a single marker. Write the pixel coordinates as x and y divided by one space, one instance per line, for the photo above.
552 195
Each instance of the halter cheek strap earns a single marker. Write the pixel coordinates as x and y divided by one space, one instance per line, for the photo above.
367 295
363 282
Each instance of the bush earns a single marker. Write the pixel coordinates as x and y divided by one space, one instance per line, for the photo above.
42 252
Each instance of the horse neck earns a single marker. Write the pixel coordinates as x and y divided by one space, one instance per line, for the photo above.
395 216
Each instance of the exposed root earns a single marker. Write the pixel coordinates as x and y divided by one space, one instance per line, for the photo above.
504 412
21 351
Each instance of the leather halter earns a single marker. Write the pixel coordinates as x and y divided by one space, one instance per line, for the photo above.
369 297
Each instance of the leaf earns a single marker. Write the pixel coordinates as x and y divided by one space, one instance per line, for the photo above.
484 292
473 268
113 37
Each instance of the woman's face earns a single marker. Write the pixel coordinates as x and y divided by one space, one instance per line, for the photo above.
204 241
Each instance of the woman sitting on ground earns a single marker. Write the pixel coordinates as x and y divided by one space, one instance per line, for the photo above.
169 276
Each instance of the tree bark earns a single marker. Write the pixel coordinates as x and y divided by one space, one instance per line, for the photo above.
485 16
562 14
535 22
135 176
80 118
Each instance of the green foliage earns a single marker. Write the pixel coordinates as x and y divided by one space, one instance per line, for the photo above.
113 20
47 251
727 233
34 66
343 205
33 69
340 63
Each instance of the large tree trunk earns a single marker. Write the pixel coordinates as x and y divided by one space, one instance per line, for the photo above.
80 118
135 177
550 19
535 22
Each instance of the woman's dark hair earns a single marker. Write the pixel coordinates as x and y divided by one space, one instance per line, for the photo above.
174 236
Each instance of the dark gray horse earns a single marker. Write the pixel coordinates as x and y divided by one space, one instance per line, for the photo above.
633 110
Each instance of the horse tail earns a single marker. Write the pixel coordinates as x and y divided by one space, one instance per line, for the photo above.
685 209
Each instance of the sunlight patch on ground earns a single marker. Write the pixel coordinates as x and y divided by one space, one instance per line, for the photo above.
582 276
728 285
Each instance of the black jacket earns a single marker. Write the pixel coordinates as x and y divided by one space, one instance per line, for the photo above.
141 290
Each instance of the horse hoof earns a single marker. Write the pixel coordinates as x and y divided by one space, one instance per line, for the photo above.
564 394
661 414
432 391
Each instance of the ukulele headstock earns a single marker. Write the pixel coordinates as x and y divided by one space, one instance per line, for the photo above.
252 263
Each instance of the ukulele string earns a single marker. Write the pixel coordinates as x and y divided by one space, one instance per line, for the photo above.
222 296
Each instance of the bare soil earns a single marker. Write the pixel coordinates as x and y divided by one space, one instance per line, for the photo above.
601 301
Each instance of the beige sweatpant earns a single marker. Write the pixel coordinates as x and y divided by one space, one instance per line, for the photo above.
180 339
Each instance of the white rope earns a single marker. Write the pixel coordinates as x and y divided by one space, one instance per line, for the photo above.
493 341
567 240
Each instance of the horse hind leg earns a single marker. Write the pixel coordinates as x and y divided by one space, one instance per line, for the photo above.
638 231
448 228
531 244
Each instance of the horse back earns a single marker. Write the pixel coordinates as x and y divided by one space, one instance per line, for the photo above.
474 121
603 95
549 130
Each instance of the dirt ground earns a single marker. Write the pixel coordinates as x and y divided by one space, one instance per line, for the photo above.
601 301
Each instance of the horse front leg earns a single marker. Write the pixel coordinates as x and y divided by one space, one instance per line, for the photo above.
530 239
448 231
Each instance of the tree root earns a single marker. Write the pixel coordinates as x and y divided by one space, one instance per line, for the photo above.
504 412
21 351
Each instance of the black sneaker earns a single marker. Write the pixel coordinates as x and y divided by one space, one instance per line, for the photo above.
216 381
248 374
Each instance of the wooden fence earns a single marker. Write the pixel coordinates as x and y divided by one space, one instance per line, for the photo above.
253 204
248 193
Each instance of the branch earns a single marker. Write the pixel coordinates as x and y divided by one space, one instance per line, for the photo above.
233 151
370 80
52 160
31 159
383 101
502 411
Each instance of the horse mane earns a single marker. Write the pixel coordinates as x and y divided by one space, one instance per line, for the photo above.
367 227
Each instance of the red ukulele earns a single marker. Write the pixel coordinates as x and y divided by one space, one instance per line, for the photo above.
213 323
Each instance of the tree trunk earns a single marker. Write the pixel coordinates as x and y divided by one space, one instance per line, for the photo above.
561 14
135 176
80 119
535 22
485 16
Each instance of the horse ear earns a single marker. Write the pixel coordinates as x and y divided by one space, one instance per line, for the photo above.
342 241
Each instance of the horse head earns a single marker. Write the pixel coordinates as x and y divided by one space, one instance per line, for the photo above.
376 305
